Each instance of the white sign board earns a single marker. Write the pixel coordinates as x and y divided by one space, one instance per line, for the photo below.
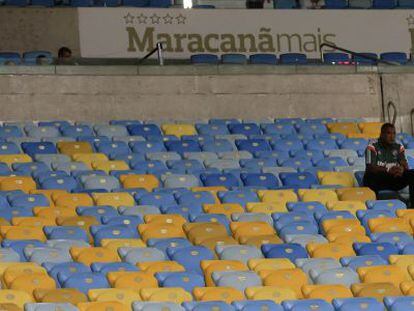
133 32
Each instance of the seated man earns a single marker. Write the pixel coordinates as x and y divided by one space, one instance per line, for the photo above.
386 165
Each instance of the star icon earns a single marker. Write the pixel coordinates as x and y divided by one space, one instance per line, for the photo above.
410 20
129 19
181 19
155 19
142 19
168 19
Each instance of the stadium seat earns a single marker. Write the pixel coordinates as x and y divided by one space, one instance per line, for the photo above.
204 59
292 58
268 59
233 59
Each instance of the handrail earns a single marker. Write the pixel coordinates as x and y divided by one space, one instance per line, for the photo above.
158 48
333 46
394 117
412 121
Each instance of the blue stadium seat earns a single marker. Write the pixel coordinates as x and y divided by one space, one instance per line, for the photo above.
226 180
290 251
313 155
298 180
159 3
252 305
293 58
287 145
19 245
244 129
204 59
66 232
65 270
135 3
186 280
307 304
29 200
252 145
164 244
355 262
113 149
11 57
405 4
218 145
384 4
267 59
284 4
190 257
335 4
31 58
29 168
366 58
112 232
399 303
241 197
207 305
266 180
182 146
357 304
212 129
84 281
233 58
397 57
144 130
105 267
62 182
133 255
321 144
382 249
9 148
298 227
39 148
298 164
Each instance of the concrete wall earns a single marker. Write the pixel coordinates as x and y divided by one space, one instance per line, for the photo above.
250 96
25 29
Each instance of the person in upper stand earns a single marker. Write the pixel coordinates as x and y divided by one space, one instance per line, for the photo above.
386 164
65 56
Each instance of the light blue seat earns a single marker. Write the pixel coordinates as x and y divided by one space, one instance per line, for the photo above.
313 155
110 130
9 131
155 306
76 131
9 148
399 238
241 253
11 57
357 304
139 210
49 306
233 58
181 181
355 262
386 204
235 155
105 267
42 131
32 57
307 304
284 219
48 159
298 227
64 270
307 207
252 305
250 217
217 145
9 255
241 197
101 182
399 303
344 276
185 280
164 244
196 198
112 149
40 255
298 164
134 255
66 244
305 239
68 167
317 265
200 156
239 280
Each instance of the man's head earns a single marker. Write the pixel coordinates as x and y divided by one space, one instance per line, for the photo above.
64 53
387 133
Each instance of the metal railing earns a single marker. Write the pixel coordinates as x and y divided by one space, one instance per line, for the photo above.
353 53
159 49
394 116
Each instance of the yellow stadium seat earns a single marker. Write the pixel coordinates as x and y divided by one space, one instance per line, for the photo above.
160 231
347 238
89 255
344 128
168 294
22 233
72 200
387 224
33 221
330 250
266 207
147 182
375 290
362 194
259 240
12 271
274 293
108 166
179 129
277 196
19 298
69 295
10 159
350 206
53 212
122 295
402 261
132 280
226 294
72 147
9 307
4 222
211 243
114 199
250 229
405 213
383 274
210 266
410 270
30 282
293 279
343 226
345 179
407 288
326 292
160 266
204 230
80 221
270 264
89 158
24 183
373 128
319 195
224 208
173 219
367 136
102 306
114 244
